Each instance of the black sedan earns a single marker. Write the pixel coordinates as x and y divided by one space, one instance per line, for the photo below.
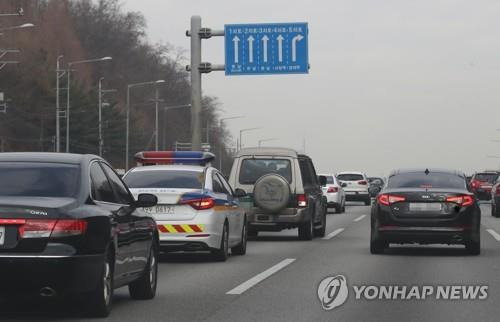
69 226
425 207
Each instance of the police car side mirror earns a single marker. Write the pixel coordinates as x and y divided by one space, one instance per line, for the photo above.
240 193
146 200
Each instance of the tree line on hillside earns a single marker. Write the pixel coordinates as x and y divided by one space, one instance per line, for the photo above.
86 29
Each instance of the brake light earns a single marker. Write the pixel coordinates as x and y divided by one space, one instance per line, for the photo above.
475 183
464 200
498 190
332 189
363 182
203 203
301 200
388 200
40 228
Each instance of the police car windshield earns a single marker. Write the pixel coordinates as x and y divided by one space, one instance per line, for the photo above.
176 179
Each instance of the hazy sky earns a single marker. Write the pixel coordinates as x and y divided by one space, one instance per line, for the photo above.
393 83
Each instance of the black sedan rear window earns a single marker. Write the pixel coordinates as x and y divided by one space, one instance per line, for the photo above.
175 179
437 180
30 179
486 177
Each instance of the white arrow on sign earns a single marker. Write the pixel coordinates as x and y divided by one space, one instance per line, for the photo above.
265 39
236 41
280 48
251 39
294 46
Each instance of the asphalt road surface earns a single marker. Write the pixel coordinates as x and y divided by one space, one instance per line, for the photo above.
278 279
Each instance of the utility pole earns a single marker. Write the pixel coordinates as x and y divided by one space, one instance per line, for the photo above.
197 33
58 106
195 83
100 116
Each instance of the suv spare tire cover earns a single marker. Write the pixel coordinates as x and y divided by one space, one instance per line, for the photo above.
271 193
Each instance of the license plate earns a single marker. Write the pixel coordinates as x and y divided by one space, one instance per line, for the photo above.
2 235
425 206
160 209
486 187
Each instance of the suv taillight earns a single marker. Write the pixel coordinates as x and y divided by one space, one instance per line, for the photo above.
42 228
332 189
302 201
363 182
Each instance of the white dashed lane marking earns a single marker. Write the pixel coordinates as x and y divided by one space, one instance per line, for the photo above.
240 289
359 218
333 234
494 234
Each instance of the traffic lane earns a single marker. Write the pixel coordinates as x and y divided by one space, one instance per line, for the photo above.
190 286
292 293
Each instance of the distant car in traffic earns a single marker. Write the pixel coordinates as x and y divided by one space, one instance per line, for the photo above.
375 185
197 208
283 190
334 193
356 188
69 226
482 182
425 206
495 199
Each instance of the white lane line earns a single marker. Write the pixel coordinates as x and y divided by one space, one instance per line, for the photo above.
494 234
240 289
333 234
359 218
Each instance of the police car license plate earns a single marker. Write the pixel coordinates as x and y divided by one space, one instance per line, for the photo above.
2 235
160 209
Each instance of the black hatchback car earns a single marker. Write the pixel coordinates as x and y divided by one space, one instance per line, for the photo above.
426 207
69 226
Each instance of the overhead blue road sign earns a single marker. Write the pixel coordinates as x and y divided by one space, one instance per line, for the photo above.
274 48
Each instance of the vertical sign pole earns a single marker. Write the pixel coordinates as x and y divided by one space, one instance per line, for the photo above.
100 116
68 89
57 106
196 127
156 117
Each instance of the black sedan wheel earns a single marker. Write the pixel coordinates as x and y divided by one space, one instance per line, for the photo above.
145 287
100 300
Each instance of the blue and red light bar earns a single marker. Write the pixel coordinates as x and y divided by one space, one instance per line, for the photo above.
173 157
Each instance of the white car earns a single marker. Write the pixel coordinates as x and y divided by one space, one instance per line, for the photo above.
356 186
334 193
197 210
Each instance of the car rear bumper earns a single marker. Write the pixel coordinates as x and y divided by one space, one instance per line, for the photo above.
425 235
333 199
289 218
25 273
357 196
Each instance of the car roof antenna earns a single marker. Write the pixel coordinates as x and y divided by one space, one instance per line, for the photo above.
427 172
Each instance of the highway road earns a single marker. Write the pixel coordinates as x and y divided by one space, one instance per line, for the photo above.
193 288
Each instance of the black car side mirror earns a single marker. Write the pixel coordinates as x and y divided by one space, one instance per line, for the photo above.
322 180
145 200
240 193
343 184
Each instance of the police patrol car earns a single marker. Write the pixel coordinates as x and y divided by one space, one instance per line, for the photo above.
197 209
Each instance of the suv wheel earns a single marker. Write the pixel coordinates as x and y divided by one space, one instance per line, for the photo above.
306 230
368 201
320 232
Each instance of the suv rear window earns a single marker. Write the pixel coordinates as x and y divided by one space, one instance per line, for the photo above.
431 180
350 177
253 169
486 177
30 179
176 179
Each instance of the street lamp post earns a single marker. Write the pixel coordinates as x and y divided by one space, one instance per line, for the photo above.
221 124
68 90
246 130
58 107
127 130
